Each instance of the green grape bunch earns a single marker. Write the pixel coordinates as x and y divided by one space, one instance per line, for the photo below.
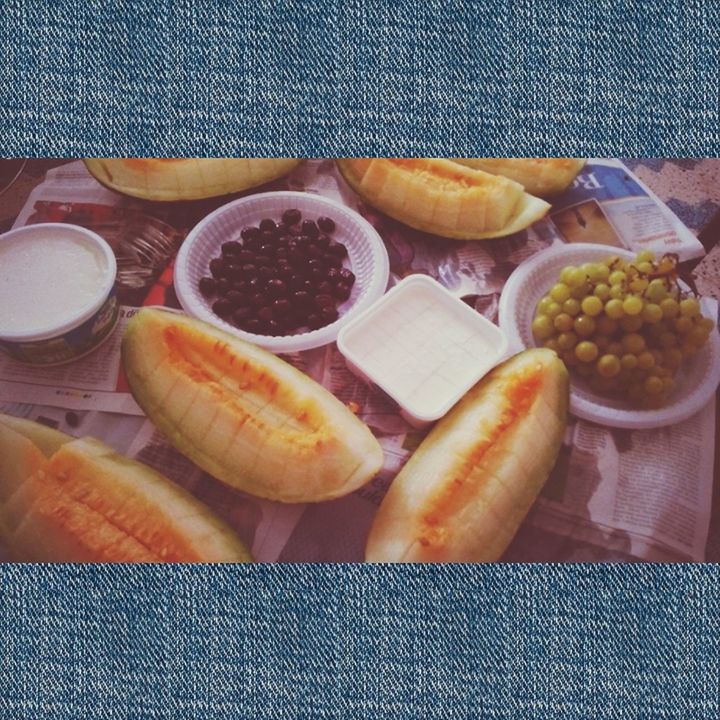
625 327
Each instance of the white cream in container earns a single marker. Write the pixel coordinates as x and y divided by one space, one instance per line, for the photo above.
423 346
56 292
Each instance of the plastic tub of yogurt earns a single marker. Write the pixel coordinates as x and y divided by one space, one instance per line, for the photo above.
57 300
423 346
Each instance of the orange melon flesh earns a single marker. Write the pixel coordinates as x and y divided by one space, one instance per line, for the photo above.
442 197
58 528
544 177
171 179
463 494
86 503
244 415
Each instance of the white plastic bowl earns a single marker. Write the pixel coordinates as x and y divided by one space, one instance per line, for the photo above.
367 258
695 382
423 346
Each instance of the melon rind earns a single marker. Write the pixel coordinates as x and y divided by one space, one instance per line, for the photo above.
465 491
19 459
244 415
443 198
45 438
87 503
173 179
544 177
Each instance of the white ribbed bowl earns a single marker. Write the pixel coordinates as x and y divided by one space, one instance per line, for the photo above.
367 258
695 382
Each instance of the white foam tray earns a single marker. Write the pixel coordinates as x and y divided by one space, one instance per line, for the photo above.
450 354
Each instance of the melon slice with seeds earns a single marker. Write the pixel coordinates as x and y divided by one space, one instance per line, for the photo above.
442 197
463 494
87 503
244 415
170 179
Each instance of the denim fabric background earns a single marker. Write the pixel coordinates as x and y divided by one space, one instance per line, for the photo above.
405 77
335 78
360 642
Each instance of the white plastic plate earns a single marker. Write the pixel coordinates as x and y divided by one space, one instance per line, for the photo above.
367 258
695 382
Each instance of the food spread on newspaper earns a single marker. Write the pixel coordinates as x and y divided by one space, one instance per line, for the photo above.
613 494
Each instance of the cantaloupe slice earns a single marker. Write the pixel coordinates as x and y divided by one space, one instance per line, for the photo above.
170 179
244 415
544 177
442 197
24 449
87 503
463 494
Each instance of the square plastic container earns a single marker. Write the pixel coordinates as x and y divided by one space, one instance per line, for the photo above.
423 346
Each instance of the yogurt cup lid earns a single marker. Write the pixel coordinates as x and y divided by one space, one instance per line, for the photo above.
36 275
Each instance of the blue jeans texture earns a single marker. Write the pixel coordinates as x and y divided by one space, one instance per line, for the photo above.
501 77
294 641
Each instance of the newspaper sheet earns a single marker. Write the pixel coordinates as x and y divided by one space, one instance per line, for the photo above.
613 495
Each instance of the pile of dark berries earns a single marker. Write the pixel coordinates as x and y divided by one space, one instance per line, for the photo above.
282 278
